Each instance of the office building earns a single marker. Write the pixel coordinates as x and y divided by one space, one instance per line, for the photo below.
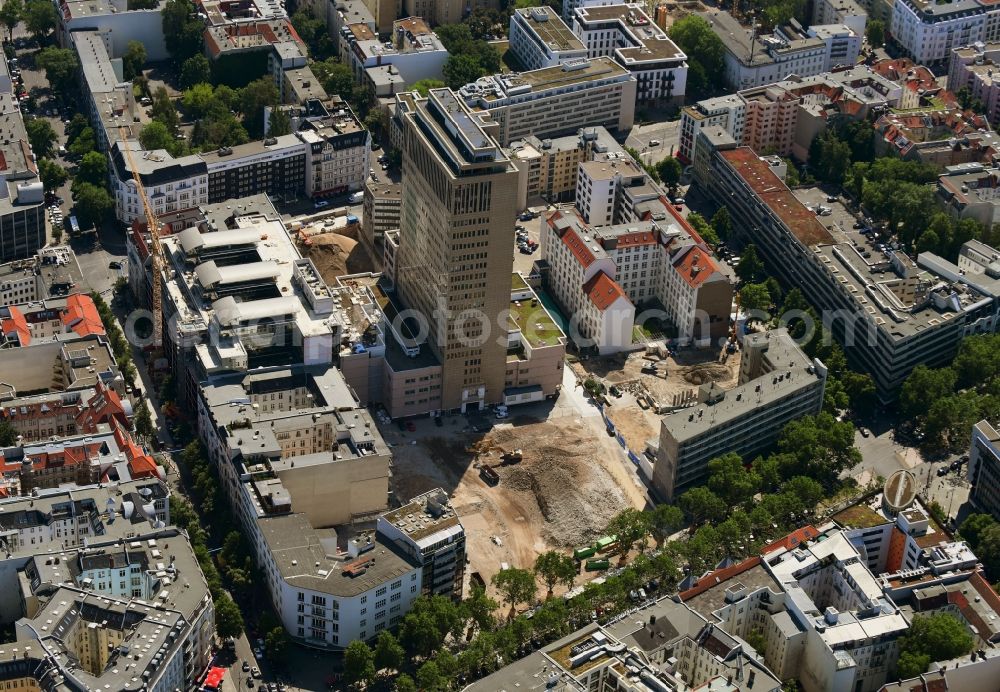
625 33
556 100
70 364
384 363
539 38
549 168
116 22
23 225
777 384
889 313
109 100
846 12
969 191
379 213
52 272
338 147
428 528
454 256
752 61
984 468
929 31
414 53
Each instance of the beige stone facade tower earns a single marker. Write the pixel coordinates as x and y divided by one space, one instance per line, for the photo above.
456 233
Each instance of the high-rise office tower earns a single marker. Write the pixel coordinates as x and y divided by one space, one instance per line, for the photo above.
456 233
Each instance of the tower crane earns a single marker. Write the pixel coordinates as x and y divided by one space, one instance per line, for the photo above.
153 224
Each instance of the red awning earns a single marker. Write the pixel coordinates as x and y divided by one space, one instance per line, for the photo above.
214 678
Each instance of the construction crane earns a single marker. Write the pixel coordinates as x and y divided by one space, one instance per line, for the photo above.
154 233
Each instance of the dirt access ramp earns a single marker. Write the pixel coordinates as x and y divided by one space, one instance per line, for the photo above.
336 254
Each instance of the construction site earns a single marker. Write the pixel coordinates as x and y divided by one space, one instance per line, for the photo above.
524 487
332 244
644 385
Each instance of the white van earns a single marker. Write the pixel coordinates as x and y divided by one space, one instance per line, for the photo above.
356 197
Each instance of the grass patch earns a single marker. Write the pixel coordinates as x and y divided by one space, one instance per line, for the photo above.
535 324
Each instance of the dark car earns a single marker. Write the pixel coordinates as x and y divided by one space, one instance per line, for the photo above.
943 471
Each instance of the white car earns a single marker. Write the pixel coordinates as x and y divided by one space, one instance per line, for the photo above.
321 203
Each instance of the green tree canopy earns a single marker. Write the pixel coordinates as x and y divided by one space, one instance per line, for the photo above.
755 298
278 123
731 480
693 35
91 202
701 504
923 387
11 13
875 33
459 70
83 143
51 174
41 136
60 65
134 59
359 663
722 223
93 168
39 18
228 619
554 567
195 70
336 77
938 637
8 434
254 97
389 655
664 521
515 585
182 30
669 171
751 268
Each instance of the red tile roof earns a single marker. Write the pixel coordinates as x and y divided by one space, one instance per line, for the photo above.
17 325
695 266
792 540
81 315
603 291
636 239
717 577
581 252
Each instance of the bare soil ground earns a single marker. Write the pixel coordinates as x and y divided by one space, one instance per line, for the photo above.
561 495
336 254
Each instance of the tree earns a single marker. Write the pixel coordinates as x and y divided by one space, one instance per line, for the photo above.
182 30
693 35
84 143
404 683
336 77
755 298
92 202
554 567
703 228
254 97
430 678
515 586
313 31
722 223
164 111
818 446
195 70
480 608
729 479
39 18
938 637
701 504
155 135
10 14
133 60
669 171
41 136
228 620
976 361
664 521
628 526
60 65
460 70
51 173
8 434
389 655
143 422
829 157
751 266
922 387
276 643
93 168
424 86
875 33
359 663
278 123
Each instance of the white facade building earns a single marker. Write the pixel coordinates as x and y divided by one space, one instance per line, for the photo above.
539 38
929 31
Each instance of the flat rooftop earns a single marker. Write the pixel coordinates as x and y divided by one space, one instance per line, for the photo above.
758 175
297 548
425 516
534 322
550 29
738 41
649 43
512 86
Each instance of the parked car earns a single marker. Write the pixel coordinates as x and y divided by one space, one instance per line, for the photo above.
943 471
255 672
320 203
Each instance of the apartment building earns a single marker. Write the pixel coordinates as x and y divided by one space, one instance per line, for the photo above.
972 67
379 213
338 148
984 468
557 100
625 33
940 137
70 364
785 117
753 61
109 99
87 609
969 191
240 50
539 38
52 271
670 647
440 12
777 383
49 320
549 168
56 414
457 255
116 22
889 313
413 53
928 31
